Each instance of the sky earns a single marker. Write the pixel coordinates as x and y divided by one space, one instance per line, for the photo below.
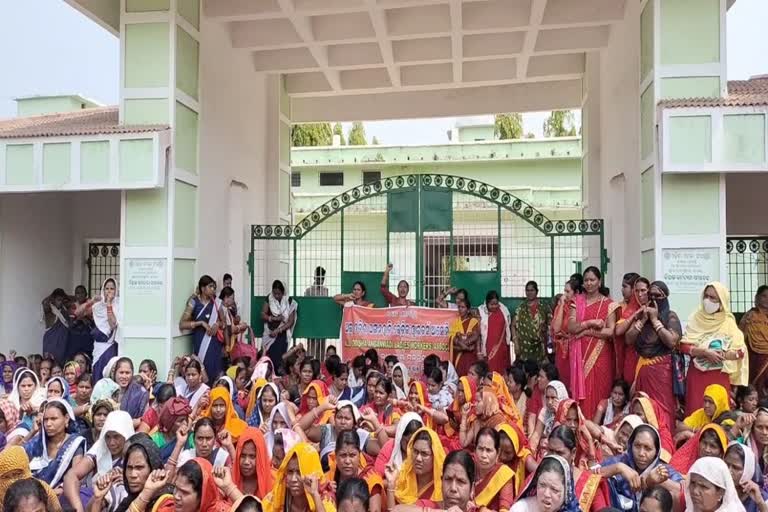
69 53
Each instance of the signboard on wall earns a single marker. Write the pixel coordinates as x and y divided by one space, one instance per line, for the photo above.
145 277
689 270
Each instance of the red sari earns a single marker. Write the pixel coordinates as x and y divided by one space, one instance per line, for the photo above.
497 490
592 492
562 340
586 453
497 346
598 361
626 355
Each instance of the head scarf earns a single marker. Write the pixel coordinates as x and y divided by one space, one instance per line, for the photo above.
14 461
401 392
322 395
10 364
421 391
290 438
570 502
282 410
263 369
232 372
62 383
106 403
263 473
507 403
78 371
396 457
751 471
717 394
585 452
119 422
107 373
716 472
259 408
520 444
633 419
687 454
104 389
15 397
655 416
258 384
211 499
232 421
141 442
549 416
175 408
406 488
309 465
720 332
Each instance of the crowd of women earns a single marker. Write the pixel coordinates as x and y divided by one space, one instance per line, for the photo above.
624 410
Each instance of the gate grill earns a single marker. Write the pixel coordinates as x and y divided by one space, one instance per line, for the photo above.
747 270
103 262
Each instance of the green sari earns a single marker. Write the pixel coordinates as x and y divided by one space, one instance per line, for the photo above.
531 330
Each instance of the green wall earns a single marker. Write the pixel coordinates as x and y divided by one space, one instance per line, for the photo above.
690 204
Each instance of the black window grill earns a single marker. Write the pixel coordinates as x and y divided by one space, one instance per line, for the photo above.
331 179
295 179
103 262
371 177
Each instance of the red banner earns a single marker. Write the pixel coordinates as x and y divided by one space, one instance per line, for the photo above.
411 333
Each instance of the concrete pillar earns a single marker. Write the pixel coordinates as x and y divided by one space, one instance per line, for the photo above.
682 55
159 83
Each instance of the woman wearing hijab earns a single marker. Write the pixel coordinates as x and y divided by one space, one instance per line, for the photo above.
106 311
417 481
639 468
14 466
291 492
710 441
710 488
747 477
553 395
716 345
551 488
223 415
105 455
251 468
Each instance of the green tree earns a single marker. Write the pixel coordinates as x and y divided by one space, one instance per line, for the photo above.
337 130
311 134
560 123
508 126
375 141
356 136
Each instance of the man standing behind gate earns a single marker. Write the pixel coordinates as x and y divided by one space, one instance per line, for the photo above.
401 299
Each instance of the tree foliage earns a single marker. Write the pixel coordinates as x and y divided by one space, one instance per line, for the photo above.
560 123
530 135
356 136
508 126
337 130
311 134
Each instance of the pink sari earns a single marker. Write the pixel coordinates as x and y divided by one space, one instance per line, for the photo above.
593 369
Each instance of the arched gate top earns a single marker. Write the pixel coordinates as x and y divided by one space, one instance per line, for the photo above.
468 186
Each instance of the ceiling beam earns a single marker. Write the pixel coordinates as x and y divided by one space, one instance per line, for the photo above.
457 41
537 15
379 23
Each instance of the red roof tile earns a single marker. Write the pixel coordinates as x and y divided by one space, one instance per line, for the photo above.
91 121
741 93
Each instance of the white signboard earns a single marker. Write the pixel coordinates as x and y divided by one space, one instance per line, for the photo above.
689 270
145 277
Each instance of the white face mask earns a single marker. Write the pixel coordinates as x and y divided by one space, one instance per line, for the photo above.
710 307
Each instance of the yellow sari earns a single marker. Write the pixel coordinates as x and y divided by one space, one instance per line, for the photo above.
407 488
522 452
309 465
699 418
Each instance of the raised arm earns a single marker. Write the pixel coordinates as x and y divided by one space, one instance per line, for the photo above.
72 480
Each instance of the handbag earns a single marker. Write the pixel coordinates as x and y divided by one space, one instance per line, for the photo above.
242 348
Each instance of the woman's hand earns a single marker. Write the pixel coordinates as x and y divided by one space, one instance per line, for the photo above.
157 479
225 440
653 312
204 325
222 477
714 356
631 476
102 485
658 475
264 428
182 434
390 475
311 485
753 490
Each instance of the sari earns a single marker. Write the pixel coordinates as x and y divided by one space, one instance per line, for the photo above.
496 337
593 375
506 402
52 470
391 453
496 491
522 452
322 396
275 347
699 418
623 493
421 390
751 473
62 383
135 399
719 332
207 347
255 413
104 336
406 487
469 388
687 454
655 417
232 422
462 359
716 472
211 499
562 342
592 491
531 320
117 422
14 466
654 374
190 395
755 327
401 393
586 454
174 409
76 368
309 465
626 355
56 333
269 438
263 474
527 496
546 416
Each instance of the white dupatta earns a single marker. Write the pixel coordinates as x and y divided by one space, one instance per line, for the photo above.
212 320
101 320
484 315
284 307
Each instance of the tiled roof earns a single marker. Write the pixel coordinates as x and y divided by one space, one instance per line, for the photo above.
91 121
741 93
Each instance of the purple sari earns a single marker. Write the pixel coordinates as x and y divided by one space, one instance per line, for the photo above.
135 400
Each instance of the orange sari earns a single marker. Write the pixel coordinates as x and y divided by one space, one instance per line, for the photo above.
598 361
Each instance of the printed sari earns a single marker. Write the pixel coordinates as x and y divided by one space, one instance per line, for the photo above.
531 320
462 359
207 347
593 376
586 452
496 491
592 492
755 327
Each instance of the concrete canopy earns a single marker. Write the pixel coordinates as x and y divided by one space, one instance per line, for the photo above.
422 57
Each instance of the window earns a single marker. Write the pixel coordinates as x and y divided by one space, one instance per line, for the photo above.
371 176
295 179
331 179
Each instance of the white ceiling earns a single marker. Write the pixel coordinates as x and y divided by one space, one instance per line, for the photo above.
357 47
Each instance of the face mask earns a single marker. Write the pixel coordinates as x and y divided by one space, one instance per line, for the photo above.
710 307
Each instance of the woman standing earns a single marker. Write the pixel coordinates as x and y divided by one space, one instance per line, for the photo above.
495 325
755 326
201 316
464 337
562 338
356 298
532 319
279 317
625 311
55 316
106 310
592 324
716 346
655 333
